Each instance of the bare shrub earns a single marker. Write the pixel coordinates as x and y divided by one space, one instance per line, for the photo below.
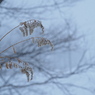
26 28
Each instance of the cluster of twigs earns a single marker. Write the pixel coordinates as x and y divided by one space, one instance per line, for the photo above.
26 28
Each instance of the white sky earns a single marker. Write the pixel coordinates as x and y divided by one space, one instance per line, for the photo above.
83 14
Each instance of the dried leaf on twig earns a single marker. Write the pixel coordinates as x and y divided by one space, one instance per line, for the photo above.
14 49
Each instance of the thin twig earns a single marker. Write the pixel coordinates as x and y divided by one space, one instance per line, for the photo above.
18 43
9 32
14 45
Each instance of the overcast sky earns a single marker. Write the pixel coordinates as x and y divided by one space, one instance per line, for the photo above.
83 14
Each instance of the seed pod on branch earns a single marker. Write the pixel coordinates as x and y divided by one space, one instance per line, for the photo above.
27 27
44 41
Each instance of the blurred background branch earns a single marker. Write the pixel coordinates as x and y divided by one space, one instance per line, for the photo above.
58 69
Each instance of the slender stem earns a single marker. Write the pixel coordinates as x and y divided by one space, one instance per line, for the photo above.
14 45
18 43
9 32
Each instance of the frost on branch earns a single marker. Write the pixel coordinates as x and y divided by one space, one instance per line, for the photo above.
44 41
27 27
23 66
29 73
